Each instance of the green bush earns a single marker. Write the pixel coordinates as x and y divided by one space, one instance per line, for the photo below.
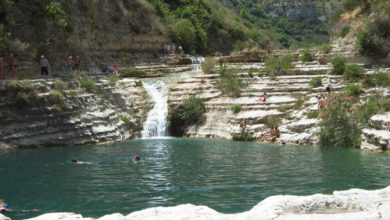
23 100
339 126
345 30
132 72
59 85
278 65
112 80
353 72
299 103
252 71
382 79
56 97
353 89
316 82
229 83
284 108
369 108
245 137
209 65
272 121
312 114
185 34
16 86
376 34
236 108
125 119
325 48
189 113
306 56
351 4
339 64
87 83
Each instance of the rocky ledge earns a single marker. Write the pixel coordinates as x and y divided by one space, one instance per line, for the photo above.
351 204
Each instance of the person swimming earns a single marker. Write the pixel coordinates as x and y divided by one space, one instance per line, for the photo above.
136 158
76 161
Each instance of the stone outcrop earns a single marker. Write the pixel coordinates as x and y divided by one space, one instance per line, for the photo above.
353 204
377 137
109 115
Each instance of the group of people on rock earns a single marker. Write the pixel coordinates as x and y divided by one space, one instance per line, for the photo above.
111 69
172 49
43 64
12 65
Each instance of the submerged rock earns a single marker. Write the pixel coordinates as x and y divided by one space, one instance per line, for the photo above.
353 204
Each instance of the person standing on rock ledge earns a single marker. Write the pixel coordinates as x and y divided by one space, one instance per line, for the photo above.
13 65
2 67
44 64
69 65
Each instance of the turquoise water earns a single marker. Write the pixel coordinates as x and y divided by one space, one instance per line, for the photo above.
227 176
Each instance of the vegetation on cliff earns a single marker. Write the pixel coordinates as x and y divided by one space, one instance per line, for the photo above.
187 114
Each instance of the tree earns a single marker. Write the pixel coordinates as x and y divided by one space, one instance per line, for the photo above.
184 33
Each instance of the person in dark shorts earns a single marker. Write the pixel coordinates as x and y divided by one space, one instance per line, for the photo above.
13 65
44 64
327 88
77 63
3 65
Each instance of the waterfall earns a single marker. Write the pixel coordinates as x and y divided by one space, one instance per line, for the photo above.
196 62
156 122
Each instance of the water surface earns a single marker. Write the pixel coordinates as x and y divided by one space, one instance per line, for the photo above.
227 176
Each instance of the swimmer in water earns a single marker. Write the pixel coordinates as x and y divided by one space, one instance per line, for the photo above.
75 161
136 158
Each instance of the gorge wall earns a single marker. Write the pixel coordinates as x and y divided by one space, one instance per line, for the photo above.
37 113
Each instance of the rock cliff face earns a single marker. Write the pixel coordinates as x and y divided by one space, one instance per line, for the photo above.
110 115
354 204
301 10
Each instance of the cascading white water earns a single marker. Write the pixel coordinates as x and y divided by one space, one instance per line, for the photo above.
156 122
196 62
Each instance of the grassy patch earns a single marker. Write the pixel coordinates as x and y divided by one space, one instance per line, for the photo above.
236 108
245 137
312 114
278 65
132 72
85 82
113 79
339 64
209 65
353 89
272 121
316 82
306 56
229 83
353 72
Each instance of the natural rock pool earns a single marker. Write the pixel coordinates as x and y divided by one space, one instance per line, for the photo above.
226 176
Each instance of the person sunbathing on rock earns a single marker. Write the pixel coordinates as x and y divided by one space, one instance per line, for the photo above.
4 207
270 135
263 98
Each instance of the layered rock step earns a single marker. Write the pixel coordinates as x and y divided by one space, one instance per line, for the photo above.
109 115
290 97
377 136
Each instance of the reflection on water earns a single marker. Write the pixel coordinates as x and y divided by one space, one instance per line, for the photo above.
227 176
